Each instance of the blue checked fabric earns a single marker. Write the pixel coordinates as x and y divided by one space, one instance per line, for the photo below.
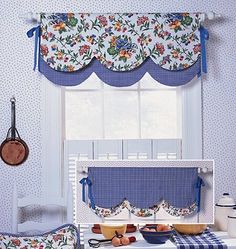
206 240
121 79
144 187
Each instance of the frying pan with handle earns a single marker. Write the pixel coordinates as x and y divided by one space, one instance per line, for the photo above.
13 150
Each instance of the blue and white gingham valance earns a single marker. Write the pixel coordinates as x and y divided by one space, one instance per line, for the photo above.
120 47
143 190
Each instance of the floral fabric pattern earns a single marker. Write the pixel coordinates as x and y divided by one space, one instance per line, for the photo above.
121 42
65 237
177 212
113 211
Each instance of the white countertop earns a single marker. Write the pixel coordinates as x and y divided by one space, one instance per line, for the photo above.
141 243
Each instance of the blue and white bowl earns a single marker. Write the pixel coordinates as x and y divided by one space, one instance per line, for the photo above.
155 237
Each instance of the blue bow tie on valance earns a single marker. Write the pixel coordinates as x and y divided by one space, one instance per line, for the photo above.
86 182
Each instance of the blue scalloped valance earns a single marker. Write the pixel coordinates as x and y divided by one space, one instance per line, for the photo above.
143 190
120 79
120 48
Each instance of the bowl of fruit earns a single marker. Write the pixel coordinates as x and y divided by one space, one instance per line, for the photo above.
156 234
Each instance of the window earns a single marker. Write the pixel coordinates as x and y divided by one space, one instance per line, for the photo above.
146 110
72 114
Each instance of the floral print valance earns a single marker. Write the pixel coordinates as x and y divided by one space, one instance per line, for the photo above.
144 212
121 42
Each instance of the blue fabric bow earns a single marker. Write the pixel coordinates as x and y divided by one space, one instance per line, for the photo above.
86 181
35 32
198 186
204 35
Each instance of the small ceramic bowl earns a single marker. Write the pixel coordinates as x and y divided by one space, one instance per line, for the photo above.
156 237
109 231
190 229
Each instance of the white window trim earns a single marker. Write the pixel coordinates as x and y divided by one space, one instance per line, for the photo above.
192 123
52 137
53 171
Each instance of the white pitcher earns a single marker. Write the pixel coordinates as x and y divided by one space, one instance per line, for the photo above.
232 223
222 211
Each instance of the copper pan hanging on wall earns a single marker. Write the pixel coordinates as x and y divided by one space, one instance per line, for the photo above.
13 150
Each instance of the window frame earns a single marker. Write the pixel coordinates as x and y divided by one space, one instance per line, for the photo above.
54 173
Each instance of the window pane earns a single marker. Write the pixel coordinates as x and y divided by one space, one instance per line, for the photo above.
133 87
83 115
121 114
159 114
147 82
95 111
92 83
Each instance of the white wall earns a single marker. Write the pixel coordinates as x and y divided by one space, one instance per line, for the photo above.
18 78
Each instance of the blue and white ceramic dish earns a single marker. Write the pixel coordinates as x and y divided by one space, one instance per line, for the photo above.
155 237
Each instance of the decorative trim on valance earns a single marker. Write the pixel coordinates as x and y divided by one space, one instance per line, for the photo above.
142 190
144 212
121 42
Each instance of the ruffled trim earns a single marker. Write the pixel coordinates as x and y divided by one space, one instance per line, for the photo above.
144 212
121 42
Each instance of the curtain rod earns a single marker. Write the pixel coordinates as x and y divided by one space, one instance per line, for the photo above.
35 17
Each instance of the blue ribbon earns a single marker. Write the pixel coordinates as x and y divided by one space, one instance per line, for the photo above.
204 35
198 186
86 181
199 73
36 33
